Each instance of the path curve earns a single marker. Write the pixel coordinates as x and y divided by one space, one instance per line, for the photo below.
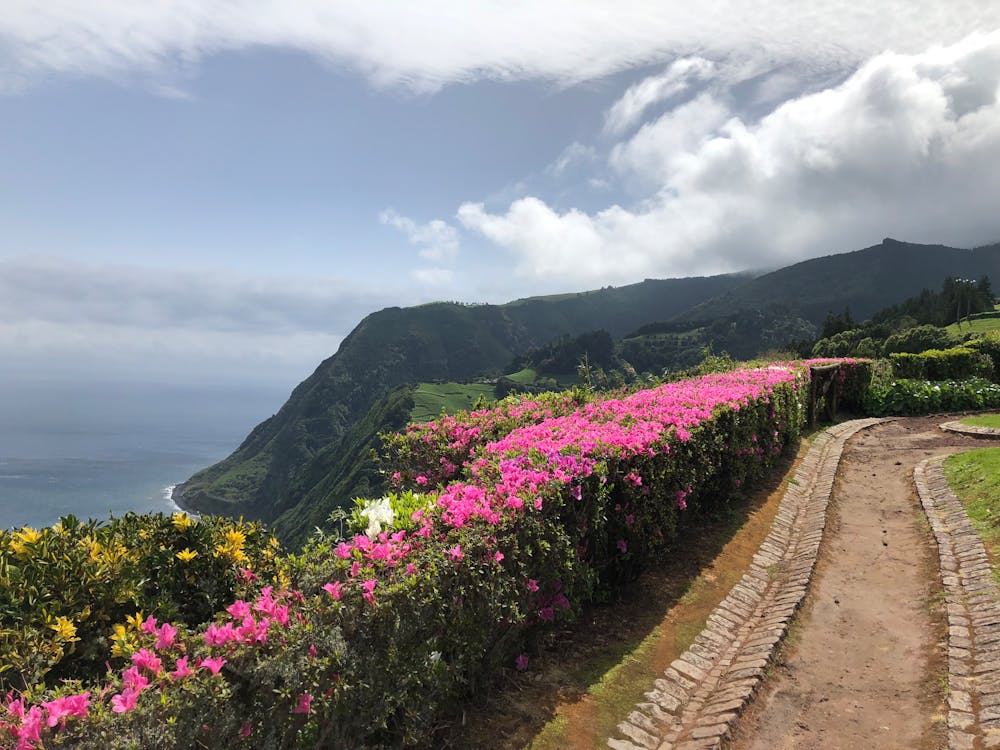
698 701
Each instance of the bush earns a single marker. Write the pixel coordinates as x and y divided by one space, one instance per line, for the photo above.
391 626
907 397
957 363
988 344
918 339
69 590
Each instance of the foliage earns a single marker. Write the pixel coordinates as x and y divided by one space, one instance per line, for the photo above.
918 339
956 363
988 344
438 588
69 589
905 397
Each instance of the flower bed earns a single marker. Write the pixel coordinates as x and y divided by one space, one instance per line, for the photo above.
381 632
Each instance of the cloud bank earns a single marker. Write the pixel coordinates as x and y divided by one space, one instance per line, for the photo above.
906 147
429 44
194 325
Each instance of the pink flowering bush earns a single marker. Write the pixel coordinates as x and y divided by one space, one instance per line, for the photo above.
435 592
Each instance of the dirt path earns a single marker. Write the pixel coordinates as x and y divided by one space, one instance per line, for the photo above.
863 666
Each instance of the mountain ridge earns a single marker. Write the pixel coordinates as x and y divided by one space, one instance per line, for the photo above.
308 450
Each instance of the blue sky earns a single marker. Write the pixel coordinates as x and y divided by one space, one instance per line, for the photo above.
221 191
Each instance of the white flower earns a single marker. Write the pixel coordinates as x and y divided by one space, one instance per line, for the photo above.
378 512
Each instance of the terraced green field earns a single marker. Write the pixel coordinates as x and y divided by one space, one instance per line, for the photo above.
430 400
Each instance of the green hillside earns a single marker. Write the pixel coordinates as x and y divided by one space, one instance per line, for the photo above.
314 454
267 475
864 281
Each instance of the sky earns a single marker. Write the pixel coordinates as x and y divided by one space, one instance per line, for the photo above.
220 191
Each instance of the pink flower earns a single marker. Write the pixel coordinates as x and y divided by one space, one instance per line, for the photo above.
245 730
367 589
422 480
125 701
304 705
521 662
248 575
312 650
498 557
333 589
149 626
165 636
132 679
410 569
182 669
70 705
456 552
213 664
532 585
622 546
147 660
31 729
547 614
238 609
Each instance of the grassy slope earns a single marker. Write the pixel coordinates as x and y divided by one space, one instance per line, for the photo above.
975 478
989 321
430 400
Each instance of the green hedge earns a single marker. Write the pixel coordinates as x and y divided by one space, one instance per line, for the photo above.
909 397
957 363
988 344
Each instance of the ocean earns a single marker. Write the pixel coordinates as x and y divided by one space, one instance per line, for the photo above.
97 449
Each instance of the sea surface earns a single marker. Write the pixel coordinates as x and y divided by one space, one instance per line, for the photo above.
97 449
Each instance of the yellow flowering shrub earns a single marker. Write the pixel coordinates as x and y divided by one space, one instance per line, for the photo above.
72 596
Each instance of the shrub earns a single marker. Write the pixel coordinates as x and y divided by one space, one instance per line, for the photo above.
387 628
68 590
957 363
988 344
908 397
918 339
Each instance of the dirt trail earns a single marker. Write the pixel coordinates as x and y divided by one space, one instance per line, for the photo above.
863 664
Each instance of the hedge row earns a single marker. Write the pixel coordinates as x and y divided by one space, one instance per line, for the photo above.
957 363
909 397
435 594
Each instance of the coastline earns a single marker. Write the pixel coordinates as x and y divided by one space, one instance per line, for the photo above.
176 496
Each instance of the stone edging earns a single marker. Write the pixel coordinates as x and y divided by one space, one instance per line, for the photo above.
695 703
970 429
973 604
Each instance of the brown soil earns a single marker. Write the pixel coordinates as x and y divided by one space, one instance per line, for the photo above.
865 664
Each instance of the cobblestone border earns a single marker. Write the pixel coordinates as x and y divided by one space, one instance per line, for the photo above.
700 695
973 604
970 429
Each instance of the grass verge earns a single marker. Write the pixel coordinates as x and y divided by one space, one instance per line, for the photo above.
974 477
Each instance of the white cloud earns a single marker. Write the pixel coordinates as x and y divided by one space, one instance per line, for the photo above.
574 154
651 153
437 240
433 276
905 147
639 97
435 42
58 315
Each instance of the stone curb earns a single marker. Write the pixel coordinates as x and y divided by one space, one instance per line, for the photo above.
694 704
969 429
973 604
